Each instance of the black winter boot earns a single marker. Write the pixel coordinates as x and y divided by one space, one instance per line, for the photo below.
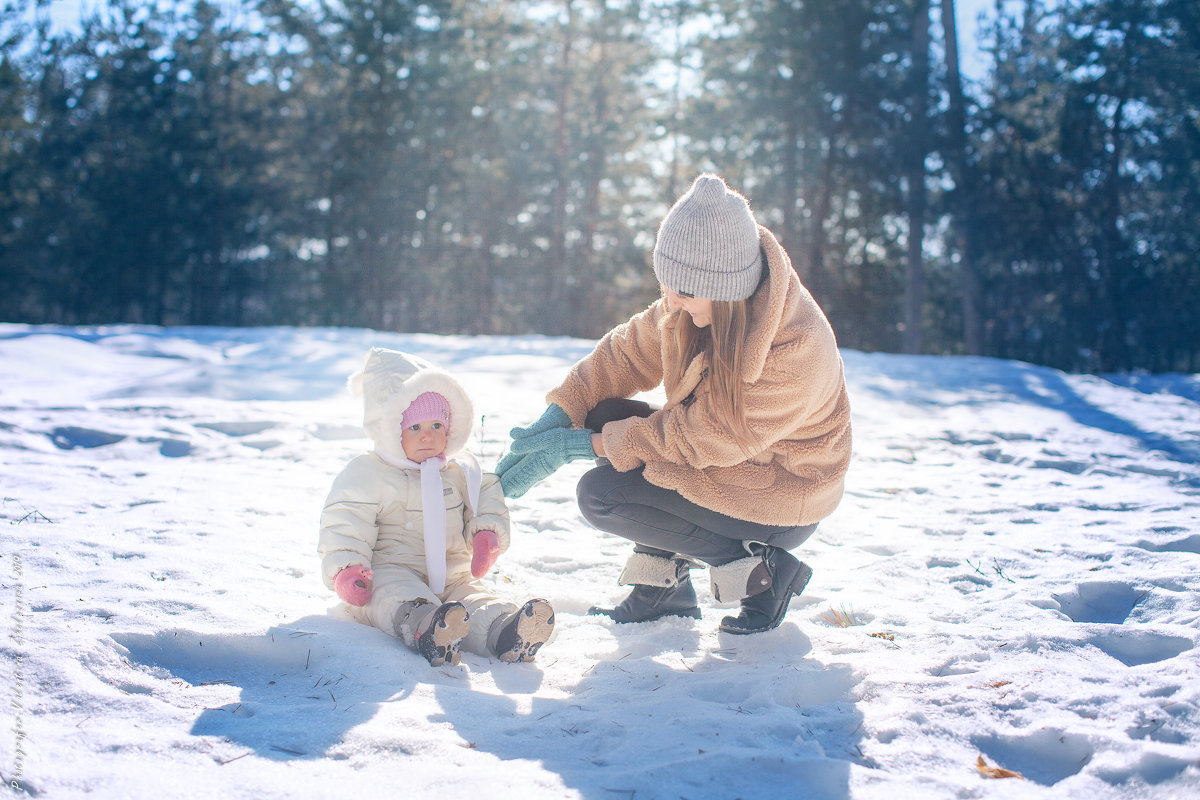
785 577
662 587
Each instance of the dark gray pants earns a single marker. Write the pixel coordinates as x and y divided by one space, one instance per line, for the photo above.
660 521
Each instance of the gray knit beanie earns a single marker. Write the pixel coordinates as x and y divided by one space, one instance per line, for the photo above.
708 244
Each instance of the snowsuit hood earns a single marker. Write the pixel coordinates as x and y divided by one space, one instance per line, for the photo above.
391 380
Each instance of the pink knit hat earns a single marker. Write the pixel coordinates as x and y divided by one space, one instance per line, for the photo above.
427 406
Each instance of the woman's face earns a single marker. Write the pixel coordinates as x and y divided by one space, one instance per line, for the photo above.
699 309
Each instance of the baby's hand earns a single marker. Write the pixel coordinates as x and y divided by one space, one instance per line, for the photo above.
485 549
353 584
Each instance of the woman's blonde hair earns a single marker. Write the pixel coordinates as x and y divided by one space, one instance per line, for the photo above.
723 342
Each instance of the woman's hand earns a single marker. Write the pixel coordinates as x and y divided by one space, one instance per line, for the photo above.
518 474
552 417
536 457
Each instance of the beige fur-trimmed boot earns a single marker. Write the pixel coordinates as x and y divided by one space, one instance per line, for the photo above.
662 587
764 582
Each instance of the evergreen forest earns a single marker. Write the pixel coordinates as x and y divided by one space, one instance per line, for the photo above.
500 166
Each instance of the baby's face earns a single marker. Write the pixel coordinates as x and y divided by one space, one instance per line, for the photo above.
424 440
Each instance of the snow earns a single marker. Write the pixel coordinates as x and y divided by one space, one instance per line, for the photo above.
1017 558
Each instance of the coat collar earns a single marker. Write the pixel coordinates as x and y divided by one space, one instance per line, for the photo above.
769 305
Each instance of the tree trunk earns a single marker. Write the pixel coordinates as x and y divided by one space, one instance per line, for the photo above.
964 189
914 294
560 285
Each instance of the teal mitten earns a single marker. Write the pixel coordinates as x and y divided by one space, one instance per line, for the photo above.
559 445
539 456
552 417
519 474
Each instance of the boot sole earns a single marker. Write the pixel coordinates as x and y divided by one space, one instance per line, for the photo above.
596 611
795 588
440 643
535 623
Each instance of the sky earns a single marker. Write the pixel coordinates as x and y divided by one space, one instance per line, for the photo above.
1010 587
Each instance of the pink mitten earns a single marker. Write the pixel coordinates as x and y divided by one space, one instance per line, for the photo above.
353 584
485 549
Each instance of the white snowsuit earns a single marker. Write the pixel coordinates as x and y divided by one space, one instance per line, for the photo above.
374 514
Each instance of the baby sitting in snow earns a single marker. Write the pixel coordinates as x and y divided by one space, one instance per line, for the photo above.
408 528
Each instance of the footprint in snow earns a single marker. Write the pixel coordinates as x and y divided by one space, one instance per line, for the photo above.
76 438
1188 544
73 438
1102 601
1045 756
237 429
1136 647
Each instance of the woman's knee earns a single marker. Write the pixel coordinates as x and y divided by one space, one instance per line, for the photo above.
791 539
602 490
589 491
615 408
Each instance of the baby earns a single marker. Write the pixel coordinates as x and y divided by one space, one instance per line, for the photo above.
409 528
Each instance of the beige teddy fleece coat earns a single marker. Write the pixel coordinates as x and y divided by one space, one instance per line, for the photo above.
794 394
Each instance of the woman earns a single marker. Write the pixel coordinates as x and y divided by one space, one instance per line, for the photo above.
749 451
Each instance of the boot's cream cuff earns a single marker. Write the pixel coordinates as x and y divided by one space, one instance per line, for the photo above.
411 619
643 569
733 582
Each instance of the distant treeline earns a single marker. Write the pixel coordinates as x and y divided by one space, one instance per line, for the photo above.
477 166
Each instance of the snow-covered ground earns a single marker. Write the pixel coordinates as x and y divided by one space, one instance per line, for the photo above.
1013 575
